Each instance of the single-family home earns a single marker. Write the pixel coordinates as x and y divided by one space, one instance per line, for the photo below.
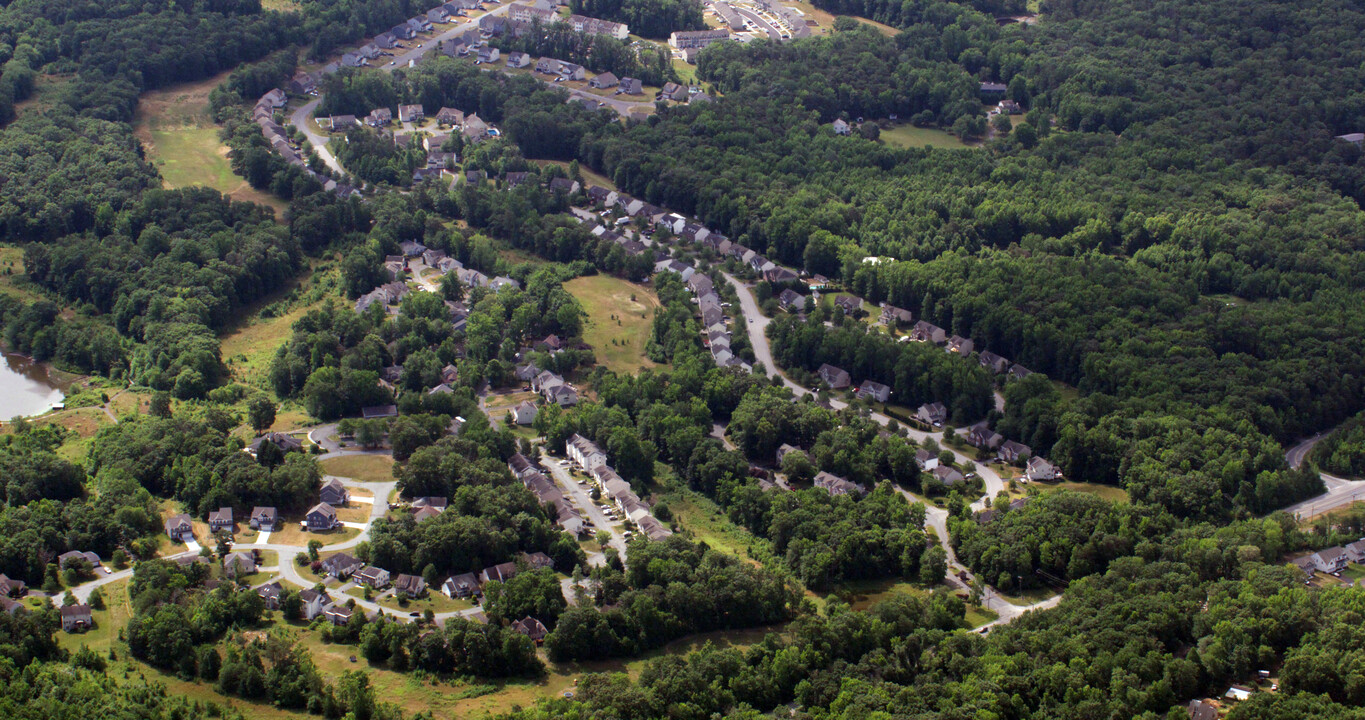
892 316
835 485
334 493
1039 469
313 602
870 389
524 413
652 528
783 450
1019 372
238 564
779 274
564 185
502 572
410 113
673 91
604 81
841 127
375 577
1012 452
488 54
10 587
791 301
537 560
449 116
460 586
1202 710
925 331
947 475
272 594
934 414
630 86
220 520
180 528
76 618
993 362
410 585
285 443
518 60
1355 552
981 436
337 123
337 614
1331 560
926 460
834 377
531 628
341 566
379 117
321 517
75 557
960 345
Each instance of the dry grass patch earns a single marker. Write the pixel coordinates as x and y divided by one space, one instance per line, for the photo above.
365 468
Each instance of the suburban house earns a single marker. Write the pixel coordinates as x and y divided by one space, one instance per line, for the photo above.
520 465
450 116
180 528
947 475
834 377
841 127
220 520
981 436
524 413
337 614
341 566
518 60
892 315
435 502
272 594
264 518
960 345
66 559
460 586
934 414
379 117
1331 560
9 587
321 517
926 460
1011 451
564 185
993 89
488 54
334 493
927 332
791 301
410 113
835 485
1355 551
1202 710
782 451
313 602
410 585
1040 469
874 390
779 274
652 528
502 572
537 560
285 443
375 577
531 628
673 91
630 86
604 81
993 362
76 617
424 513
238 564
438 15
337 123
1019 372
379 411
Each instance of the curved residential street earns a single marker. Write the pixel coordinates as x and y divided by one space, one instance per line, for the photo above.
1340 491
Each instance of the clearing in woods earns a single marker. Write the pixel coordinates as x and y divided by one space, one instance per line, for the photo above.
620 318
182 141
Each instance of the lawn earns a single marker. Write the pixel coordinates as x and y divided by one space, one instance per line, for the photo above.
686 73
292 534
117 609
365 468
434 601
1108 492
909 136
620 319
182 141
13 280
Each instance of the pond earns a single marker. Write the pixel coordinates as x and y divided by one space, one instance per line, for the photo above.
26 387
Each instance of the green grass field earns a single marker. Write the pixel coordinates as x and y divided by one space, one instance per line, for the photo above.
365 468
620 317
1108 492
909 136
708 523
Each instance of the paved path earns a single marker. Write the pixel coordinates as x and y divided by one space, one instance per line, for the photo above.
302 118
757 324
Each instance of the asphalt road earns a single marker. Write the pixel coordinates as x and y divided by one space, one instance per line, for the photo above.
579 496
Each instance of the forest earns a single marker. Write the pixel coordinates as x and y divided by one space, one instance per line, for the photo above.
646 18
